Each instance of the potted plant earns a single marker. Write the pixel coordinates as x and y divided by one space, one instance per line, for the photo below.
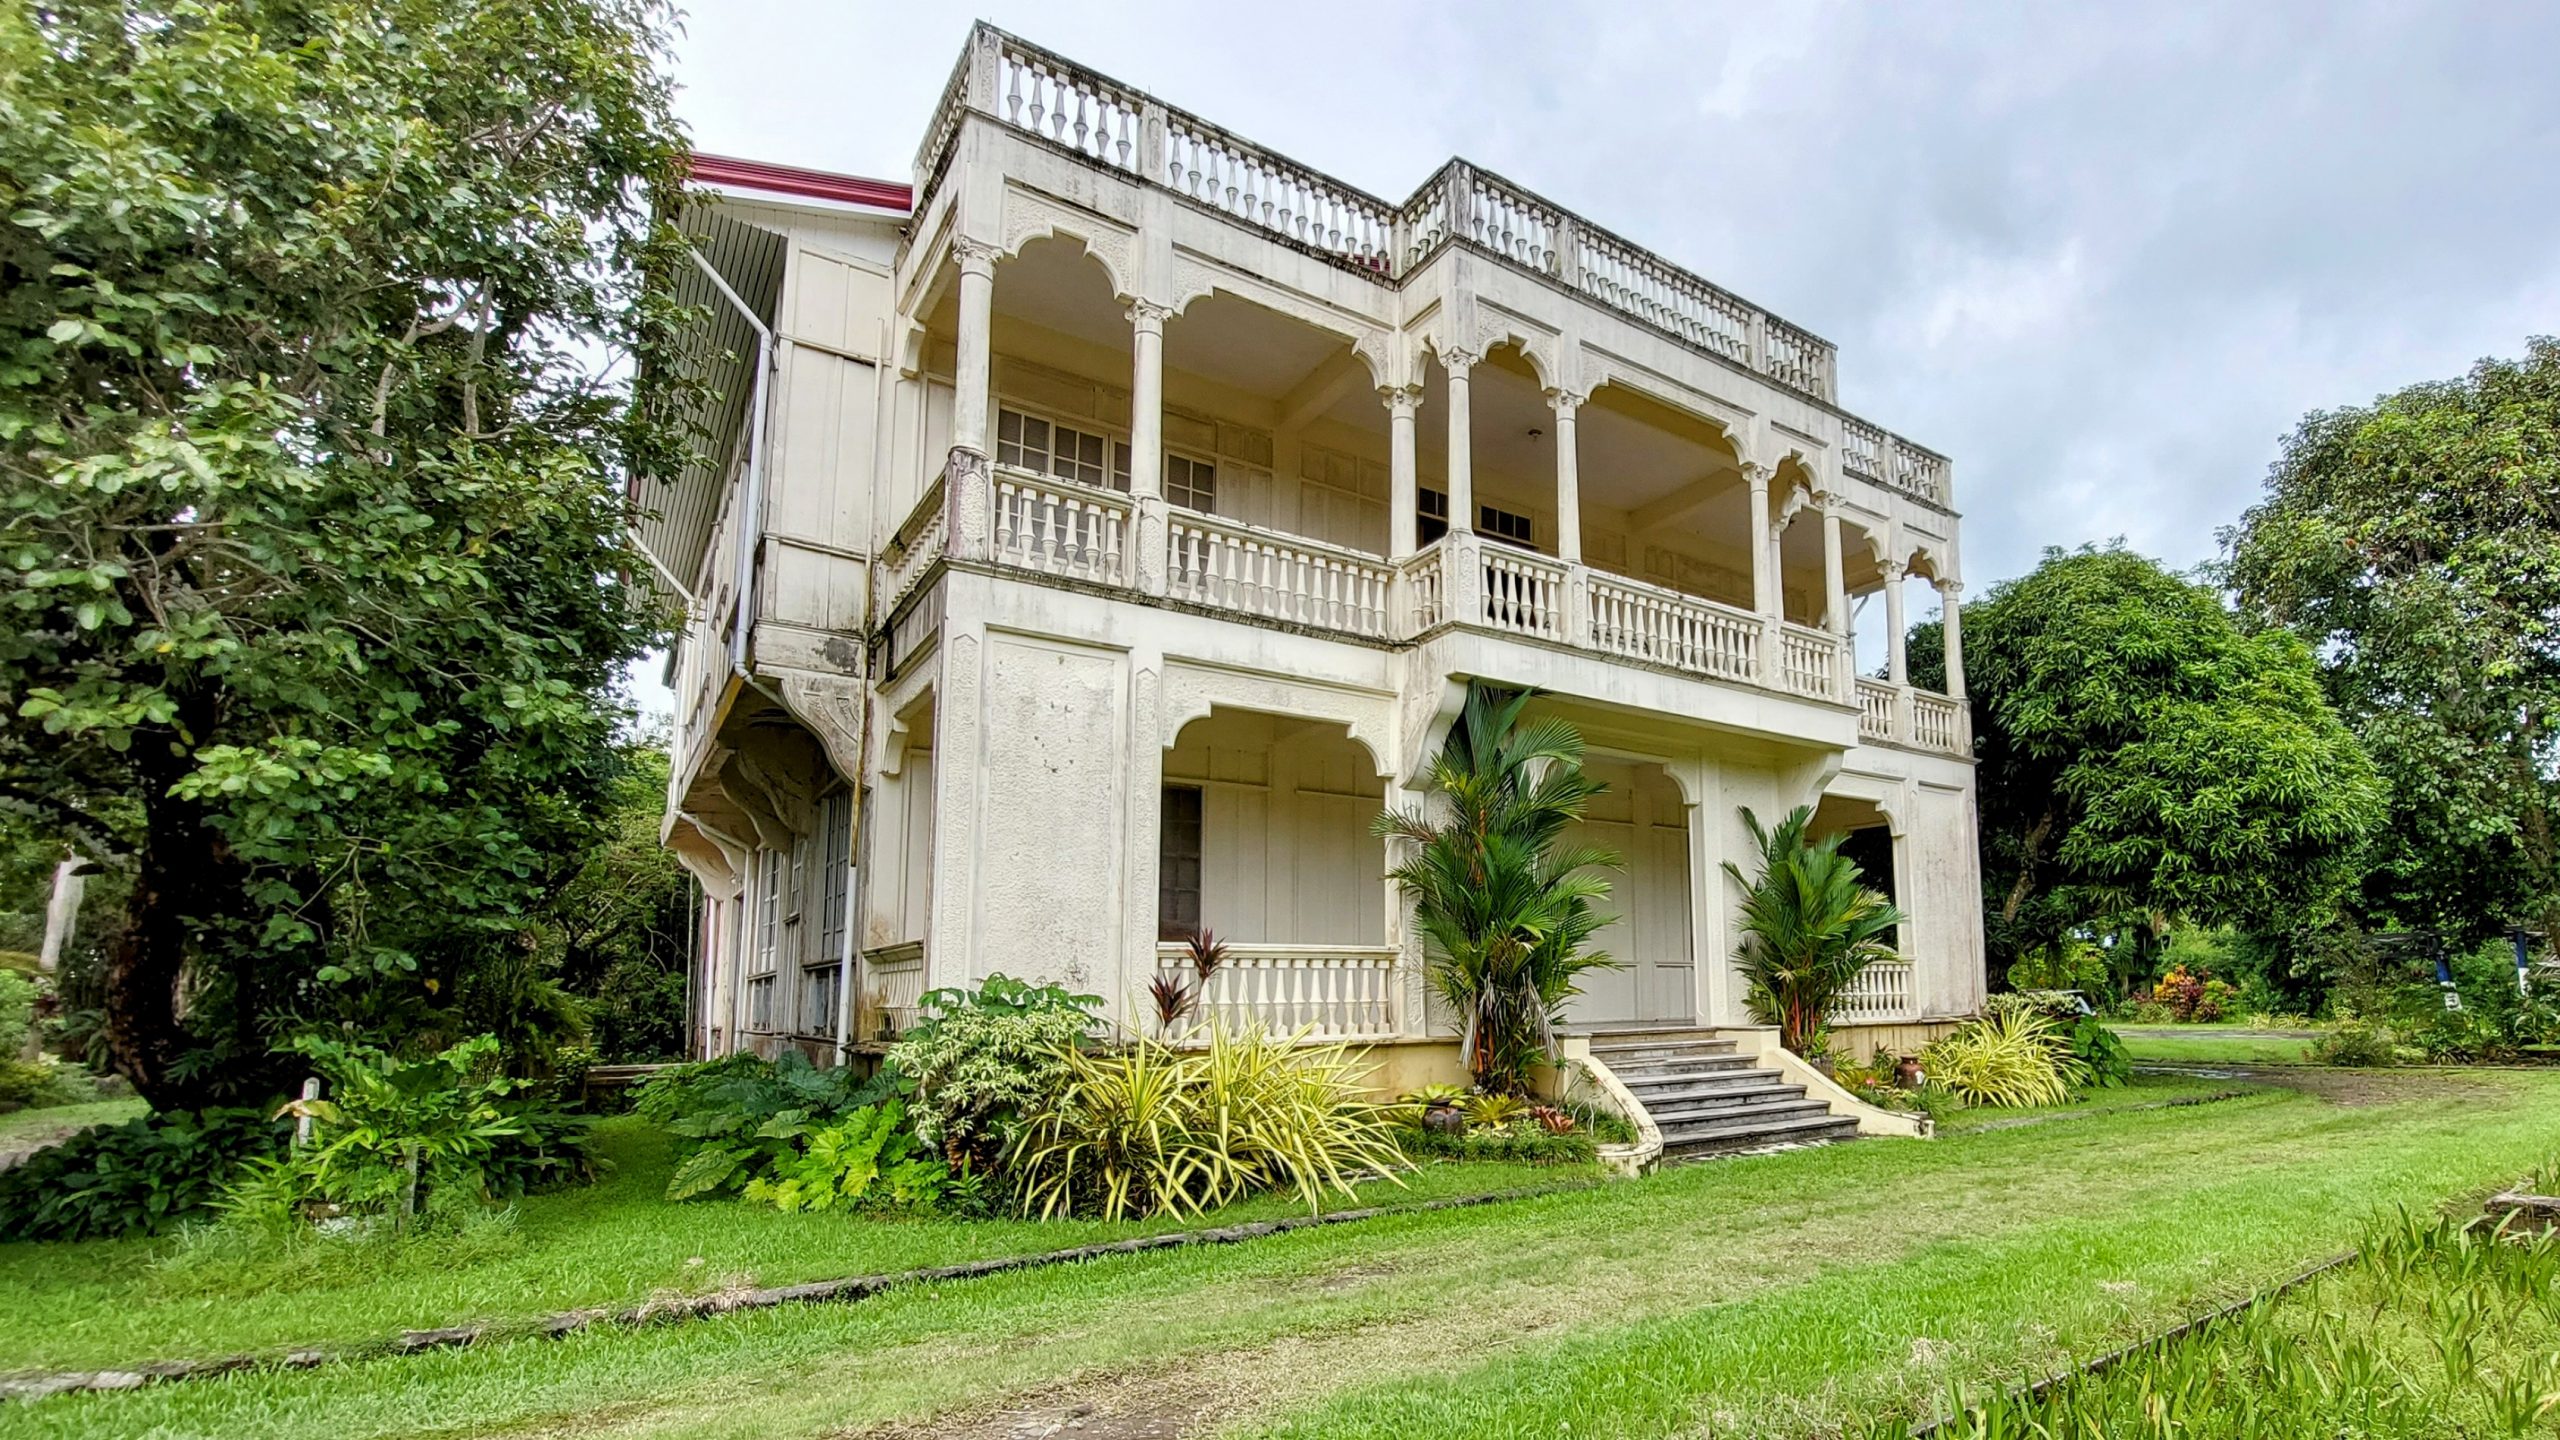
1440 1108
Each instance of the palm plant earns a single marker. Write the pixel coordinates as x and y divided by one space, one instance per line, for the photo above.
1505 908
1809 925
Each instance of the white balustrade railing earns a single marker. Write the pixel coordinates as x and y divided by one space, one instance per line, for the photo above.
1425 220
1233 567
1426 589
1937 723
1919 472
1876 705
1511 222
1335 992
1524 593
1644 285
1282 196
1879 993
918 543
1058 527
1809 662
892 989
1068 105
1795 358
1645 622
1863 450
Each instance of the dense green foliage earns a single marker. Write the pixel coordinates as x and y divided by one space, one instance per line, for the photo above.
739 1119
980 1061
400 1139
2414 543
1146 1129
2144 756
138 1177
1809 925
1504 906
619 934
305 487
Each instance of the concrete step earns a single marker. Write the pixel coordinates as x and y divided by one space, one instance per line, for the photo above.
1652 1067
1758 1107
1612 1049
1690 1141
1661 1082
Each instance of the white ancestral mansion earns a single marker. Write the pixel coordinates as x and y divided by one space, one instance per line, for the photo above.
1107 526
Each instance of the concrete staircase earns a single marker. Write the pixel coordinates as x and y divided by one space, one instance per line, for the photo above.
1708 1099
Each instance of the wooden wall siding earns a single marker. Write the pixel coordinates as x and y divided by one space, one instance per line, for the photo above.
1286 854
1641 817
899 897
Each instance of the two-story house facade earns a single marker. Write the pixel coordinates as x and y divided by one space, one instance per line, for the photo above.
1099 530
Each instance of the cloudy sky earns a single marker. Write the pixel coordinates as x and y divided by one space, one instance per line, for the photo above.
2103 255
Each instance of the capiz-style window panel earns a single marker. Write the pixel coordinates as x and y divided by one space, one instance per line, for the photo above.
1178 835
1191 484
1048 447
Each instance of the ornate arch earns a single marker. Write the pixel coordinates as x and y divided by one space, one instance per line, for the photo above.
1030 217
1192 691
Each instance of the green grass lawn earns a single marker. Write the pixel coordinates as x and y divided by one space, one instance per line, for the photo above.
2139 1092
619 1242
25 1129
1784 1294
2211 1045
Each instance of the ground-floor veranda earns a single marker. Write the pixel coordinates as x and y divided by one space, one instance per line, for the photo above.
1072 809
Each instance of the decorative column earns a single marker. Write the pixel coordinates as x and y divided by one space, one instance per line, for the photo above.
1764 569
1403 520
1948 590
1146 444
1897 665
1835 587
1462 501
1568 478
965 496
1577 580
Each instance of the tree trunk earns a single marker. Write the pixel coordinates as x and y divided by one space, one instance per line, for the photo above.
147 958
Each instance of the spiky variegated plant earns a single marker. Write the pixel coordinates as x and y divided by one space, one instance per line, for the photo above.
1505 907
1809 925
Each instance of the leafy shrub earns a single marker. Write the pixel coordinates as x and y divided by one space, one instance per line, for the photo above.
980 1061
1521 1142
2095 1045
1496 1110
2006 1060
1150 1130
867 1157
2359 1044
134 1178
392 1137
738 1119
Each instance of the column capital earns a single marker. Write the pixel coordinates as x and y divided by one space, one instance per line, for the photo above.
1403 401
1458 361
1949 589
1830 502
1564 402
975 257
1895 570
1758 475
1148 317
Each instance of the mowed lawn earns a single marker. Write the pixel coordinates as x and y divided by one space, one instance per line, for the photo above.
1771 1295
2211 1044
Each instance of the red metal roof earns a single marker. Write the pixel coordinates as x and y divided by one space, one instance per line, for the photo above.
792 180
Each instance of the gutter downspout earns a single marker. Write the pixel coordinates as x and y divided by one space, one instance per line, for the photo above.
751 502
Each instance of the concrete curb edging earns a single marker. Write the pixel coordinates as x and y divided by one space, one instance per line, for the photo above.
1574 1053
696 1307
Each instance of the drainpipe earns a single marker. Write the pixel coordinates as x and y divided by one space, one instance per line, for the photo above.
750 510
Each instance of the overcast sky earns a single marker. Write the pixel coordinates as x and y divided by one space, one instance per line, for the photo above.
2102 255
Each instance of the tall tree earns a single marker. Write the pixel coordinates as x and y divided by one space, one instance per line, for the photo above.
308 313
2415 543
2141 755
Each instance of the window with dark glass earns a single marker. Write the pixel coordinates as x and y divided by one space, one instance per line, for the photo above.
1178 864
1506 526
1191 484
1431 515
